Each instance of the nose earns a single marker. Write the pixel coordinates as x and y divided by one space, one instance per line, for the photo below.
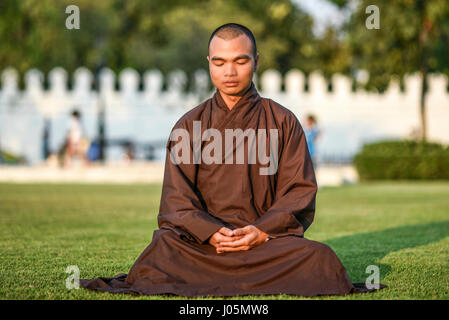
230 70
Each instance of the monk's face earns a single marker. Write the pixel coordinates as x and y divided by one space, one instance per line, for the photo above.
231 64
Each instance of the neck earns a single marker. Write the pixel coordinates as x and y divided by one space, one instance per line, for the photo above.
230 101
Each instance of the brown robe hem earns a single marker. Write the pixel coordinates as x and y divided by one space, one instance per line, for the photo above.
104 284
118 284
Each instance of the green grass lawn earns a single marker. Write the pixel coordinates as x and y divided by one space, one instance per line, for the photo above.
402 227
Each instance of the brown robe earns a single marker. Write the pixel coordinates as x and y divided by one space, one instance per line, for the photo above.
198 199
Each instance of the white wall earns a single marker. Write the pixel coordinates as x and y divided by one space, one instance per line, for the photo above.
347 119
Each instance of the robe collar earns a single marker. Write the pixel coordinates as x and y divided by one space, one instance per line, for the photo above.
246 102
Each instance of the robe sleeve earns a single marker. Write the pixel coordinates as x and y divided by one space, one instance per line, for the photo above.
182 208
293 209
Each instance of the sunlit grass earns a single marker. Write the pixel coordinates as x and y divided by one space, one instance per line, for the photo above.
402 227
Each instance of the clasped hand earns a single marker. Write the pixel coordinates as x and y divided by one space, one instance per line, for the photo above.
227 240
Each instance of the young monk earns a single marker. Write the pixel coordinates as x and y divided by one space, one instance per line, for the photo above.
231 226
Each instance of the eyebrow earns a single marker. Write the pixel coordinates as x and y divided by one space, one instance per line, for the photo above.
242 56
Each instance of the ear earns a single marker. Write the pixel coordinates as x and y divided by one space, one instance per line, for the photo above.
256 62
208 58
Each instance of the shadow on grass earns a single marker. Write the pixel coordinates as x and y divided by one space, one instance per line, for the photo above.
358 251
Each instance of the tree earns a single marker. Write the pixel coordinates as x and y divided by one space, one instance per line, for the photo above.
146 34
413 37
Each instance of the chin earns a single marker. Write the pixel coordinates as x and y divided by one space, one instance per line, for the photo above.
233 90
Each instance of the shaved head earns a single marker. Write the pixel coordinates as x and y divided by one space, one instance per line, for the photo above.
230 31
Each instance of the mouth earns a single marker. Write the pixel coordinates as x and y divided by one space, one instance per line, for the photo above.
231 84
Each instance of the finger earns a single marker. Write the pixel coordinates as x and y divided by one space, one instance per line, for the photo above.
222 238
233 249
241 231
238 232
226 231
242 242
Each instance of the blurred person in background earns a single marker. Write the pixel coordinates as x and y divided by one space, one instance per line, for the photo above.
312 133
76 145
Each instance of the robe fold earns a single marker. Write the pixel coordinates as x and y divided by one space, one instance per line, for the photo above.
198 198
